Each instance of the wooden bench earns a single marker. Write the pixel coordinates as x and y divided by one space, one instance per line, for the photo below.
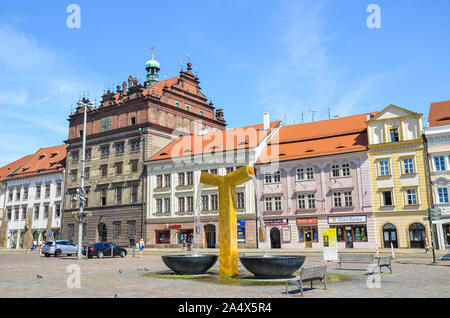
309 274
385 261
355 258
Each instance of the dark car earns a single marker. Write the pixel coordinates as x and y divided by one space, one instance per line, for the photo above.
104 250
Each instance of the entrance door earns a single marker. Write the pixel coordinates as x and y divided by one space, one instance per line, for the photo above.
210 236
447 234
390 236
102 233
308 237
275 238
348 232
417 235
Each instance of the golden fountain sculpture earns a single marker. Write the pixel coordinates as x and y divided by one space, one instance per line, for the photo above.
227 215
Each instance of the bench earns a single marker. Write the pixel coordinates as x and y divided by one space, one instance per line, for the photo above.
355 258
309 274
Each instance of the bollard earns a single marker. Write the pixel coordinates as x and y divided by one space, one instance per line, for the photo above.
112 251
134 251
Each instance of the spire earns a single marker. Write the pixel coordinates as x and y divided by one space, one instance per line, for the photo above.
152 67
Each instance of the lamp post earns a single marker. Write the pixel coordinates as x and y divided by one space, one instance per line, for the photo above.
80 190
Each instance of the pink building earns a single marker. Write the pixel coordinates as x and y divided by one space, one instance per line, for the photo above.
316 176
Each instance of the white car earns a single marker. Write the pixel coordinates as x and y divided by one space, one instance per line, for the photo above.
58 248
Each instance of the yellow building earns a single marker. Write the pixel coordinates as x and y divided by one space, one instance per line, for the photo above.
399 178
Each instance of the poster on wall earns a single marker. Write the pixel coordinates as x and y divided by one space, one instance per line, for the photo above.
286 234
329 239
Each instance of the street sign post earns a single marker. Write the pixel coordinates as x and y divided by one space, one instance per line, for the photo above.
433 214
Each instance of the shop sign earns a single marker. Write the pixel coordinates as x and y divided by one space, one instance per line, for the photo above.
347 219
303 221
286 230
329 239
172 226
240 223
276 222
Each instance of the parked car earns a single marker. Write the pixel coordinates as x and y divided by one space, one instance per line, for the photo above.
58 248
104 250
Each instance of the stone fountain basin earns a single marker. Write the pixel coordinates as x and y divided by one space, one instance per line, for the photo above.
272 266
189 264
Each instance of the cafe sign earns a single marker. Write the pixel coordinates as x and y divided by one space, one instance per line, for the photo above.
306 221
277 222
172 226
347 219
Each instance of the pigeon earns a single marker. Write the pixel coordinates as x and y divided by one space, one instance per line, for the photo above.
38 276
146 269
139 269
115 296
120 271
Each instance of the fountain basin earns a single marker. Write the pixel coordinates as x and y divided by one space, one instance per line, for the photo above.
272 266
189 264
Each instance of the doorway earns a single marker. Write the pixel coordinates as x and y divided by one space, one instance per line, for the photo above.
102 233
417 235
446 228
210 236
348 234
390 236
275 238
308 237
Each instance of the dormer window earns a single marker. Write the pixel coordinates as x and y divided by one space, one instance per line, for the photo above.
394 134
41 157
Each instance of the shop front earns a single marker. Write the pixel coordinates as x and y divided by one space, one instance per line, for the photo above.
351 231
275 227
308 231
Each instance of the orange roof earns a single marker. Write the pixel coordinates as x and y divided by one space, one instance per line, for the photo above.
439 114
10 167
43 161
222 140
326 137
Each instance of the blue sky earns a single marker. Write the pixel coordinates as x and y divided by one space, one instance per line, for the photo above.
285 57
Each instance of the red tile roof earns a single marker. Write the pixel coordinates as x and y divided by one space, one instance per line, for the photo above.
10 167
333 136
439 114
223 140
45 160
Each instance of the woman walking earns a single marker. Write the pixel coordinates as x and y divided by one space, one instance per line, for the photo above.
141 247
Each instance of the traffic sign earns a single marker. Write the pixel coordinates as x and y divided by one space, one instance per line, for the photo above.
50 234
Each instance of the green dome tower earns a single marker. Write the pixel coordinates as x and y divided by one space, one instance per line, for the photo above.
152 67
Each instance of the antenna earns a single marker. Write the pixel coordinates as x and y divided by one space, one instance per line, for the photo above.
329 113
313 113
302 118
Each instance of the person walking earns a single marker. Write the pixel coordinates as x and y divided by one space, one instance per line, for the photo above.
41 243
427 246
141 246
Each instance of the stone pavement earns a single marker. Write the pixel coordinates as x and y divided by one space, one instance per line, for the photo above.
413 276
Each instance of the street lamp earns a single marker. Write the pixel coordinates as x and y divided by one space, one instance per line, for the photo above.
81 192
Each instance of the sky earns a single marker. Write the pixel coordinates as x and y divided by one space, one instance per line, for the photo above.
299 60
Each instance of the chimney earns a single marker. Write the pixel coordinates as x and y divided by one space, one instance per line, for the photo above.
266 121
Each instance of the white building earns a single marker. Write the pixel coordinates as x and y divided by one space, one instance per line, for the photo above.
437 134
33 202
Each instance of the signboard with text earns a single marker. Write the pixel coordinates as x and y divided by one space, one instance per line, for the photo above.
277 222
347 219
286 230
329 239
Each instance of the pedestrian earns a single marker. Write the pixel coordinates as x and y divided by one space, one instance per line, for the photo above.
34 245
41 243
141 246
427 247
183 240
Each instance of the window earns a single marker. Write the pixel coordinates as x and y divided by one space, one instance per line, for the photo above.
10 196
18 194
45 211
133 120
214 202
75 155
443 195
73 175
201 113
348 198
81 132
167 180
346 170
277 177
119 148
387 198
384 168
134 165
104 150
133 193
86 202
131 225
47 191
103 197
88 153
188 108
16 213
9 214
277 203
118 195
190 203
36 212
301 202
158 205
213 171
25 192
337 201
394 134
300 174
205 201
408 166
181 179
439 163
24 213
73 200
190 178
104 170
411 196
268 178
38 189
229 169
268 204
86 173
309 174
335 172
58 189
57 210
177 104
240 200
159 183
167 205
311 201
117 225
134 145
181 207
118 168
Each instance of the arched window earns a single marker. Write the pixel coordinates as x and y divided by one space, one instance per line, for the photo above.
417 235
390 236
